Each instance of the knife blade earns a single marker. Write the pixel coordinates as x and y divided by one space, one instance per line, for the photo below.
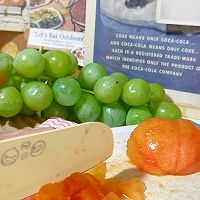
28 162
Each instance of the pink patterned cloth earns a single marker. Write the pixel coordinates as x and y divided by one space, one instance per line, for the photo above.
52 123
56 123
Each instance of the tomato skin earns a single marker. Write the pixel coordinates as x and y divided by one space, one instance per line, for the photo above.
2 79
99 172
111 196
5 70
84 180
161 146
78 186
95 184
112 185
72 187
55 191
88 193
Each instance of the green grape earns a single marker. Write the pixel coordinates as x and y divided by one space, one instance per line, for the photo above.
107 90
57 63
136 92
5 70
113 114
29 63
22 85
55 110
66 91
10 102
27 80
157 92
87 108
5 55
90 74
37 95
74 63
27 111
120 77
45 79
137 114
15 80
125 105
165 109
72 116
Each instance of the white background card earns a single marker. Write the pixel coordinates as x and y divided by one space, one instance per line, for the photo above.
182 12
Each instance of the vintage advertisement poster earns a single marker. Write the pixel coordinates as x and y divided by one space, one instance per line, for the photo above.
58 24
51 24
13 15
127 38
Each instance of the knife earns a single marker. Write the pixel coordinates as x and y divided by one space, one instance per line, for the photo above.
196 124
28 162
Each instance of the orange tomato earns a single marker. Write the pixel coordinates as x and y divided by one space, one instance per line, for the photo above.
99 172
55 191
78 186
165 147
88 193
111 196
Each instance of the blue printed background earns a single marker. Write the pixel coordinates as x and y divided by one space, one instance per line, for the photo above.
106 30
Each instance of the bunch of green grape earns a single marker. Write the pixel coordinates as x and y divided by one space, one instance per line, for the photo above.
44 83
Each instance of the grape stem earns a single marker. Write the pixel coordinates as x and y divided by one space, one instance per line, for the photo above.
88 91
41 49
45 78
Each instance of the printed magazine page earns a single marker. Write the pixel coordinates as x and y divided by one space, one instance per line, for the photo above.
184 13
126 38
58 24
13 15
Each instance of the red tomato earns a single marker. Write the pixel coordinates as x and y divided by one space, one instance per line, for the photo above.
5 70
78 186
88 193
111 196
112 185
55 191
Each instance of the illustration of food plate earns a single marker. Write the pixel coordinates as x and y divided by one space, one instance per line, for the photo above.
79 53
19 3
66 3
39 3
129 12
45 18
